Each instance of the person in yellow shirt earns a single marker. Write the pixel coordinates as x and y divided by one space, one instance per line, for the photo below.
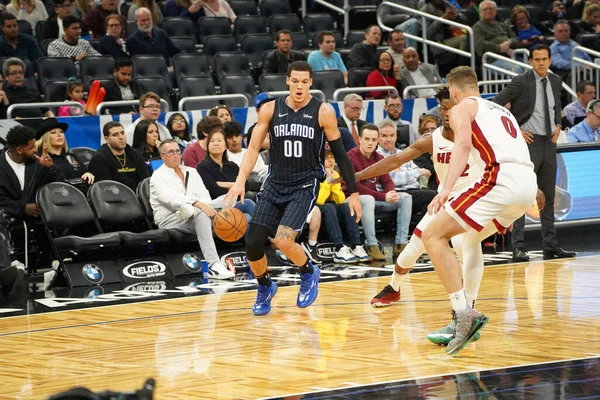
333 209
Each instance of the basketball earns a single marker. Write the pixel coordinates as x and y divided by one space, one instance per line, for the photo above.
230 224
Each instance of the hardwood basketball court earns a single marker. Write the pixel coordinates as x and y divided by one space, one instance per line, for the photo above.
213 347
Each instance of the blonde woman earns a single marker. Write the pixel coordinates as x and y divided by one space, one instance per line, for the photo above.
32 11
157 15
590 22
82 7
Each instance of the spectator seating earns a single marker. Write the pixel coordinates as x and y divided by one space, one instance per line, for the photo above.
190 65
328 82
157 85
186 43
151 66
96 68
131 27
503 13
55 90
196 86
209 26
25 27
244 25
231 62
254 45
179 27
317 23
44 45
244 7
39 28
55 69
273 7
217 43
357 77
272 82
537 12
363 16
589 40
84 154
240 83
116 207
291 22
353 37
30 79
299 41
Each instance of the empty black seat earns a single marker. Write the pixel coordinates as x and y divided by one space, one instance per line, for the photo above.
208 26
231 62
272 7
254 45
185 43
158 86
55 69
96 67
353 37
150 66
217 43
246 24
244 7
25 27
196 86
589 40
357 77
116 205
317 22
192 64
63 207
299 41
291 22
272 82
179 26
55 90
328 82
131 27
240 83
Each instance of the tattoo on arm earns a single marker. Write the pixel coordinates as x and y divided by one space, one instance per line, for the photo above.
286 233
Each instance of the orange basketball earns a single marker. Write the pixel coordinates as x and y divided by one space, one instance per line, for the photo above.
230 224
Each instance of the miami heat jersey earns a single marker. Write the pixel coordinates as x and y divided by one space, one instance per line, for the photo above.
297 142
496 136
442 151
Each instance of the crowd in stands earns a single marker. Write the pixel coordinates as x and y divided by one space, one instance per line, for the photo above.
192 167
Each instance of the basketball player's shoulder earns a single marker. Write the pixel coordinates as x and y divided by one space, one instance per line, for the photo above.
266 110
326 112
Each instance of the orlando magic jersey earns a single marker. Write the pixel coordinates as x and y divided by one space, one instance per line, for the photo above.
297 141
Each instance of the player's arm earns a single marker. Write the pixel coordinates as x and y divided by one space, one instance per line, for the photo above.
258 137
328 121
422 145
461 117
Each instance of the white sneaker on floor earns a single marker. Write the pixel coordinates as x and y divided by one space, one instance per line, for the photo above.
220 271
360 253
345 256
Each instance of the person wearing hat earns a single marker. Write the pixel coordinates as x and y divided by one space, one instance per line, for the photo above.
51 138
259 100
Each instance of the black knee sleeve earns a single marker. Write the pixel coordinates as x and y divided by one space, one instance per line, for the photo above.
255 241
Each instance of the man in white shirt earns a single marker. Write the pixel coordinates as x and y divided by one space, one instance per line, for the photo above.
416 73
150 110
396 42
180 201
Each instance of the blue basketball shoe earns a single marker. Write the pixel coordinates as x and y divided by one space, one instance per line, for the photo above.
263 299
309 288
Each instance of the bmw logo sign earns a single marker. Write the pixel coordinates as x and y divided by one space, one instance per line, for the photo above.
92 273
191 262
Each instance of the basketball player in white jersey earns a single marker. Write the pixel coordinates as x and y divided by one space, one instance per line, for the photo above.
439 144
504 191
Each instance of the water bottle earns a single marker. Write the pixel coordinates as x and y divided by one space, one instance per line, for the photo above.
423 181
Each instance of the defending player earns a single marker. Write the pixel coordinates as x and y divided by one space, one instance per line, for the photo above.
504 191
298 125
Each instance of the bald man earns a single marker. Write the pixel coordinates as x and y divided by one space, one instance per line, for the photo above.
149 39
416 73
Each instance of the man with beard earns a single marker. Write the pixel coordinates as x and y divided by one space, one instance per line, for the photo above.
150 40
393 107
123 87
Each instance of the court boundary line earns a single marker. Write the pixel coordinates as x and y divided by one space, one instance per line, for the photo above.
428 377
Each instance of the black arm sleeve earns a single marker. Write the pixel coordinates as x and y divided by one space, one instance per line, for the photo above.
343 162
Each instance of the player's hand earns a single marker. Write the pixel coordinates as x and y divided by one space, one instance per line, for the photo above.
89 178
392 197
237 190
540 199
528 136
555 134
354 205
31 210
208 210
438 202
44 160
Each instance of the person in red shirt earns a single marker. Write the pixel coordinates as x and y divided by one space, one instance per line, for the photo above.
194 153
386 73
373 200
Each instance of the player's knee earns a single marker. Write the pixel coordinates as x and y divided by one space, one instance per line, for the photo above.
255 242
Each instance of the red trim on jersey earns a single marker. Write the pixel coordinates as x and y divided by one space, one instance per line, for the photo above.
417 232
462 203
500 228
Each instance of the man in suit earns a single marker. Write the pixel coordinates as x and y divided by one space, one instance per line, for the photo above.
350 119
536 106
416 73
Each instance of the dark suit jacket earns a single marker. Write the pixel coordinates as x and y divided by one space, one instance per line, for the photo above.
520 93
12 198
359 125
113 93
